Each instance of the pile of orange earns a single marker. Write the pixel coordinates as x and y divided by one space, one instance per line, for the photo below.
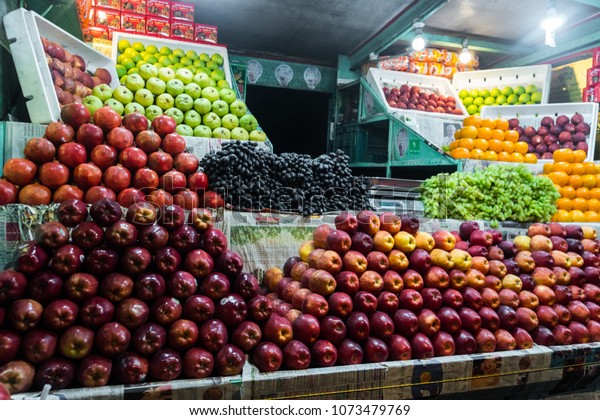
578 183
488 139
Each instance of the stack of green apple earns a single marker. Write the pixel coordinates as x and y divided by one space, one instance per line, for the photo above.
474 99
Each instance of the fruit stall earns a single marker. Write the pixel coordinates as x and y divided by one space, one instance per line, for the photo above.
155 244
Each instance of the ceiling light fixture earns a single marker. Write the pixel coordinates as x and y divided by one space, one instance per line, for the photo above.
418 42
465 56
552 22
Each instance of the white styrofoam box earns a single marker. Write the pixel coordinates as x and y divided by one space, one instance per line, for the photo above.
379 78
14 136
171 43
533 114
201 146
472 165
24 29
511 76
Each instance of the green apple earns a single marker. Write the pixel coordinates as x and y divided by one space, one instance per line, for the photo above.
239 133
258 135
490 100
472 109
192 55
530 89
121 70
102 91
134 107
93 103
227 95
123 94
204 57
463 93
201 79
223 84
156 86
501 99
133 70
536 97
184 75
210 93
192 118
212 82
220 108
478 101
144 97
484 93
211 120
519 90
153 111
230 121
202 105
148 70
193 90
202 131
248 123
512 99
467 101
217 58
217 75
165 74
165 101
474 93
507 91
122 79
526 97
184 102
495 92
184 130
115 105
238 108
134 82
211 65
175 87
176 114
221 133
204 70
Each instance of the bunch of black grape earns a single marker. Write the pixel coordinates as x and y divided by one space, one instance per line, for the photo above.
252 178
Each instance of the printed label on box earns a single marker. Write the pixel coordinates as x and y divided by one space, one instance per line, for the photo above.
133 23
596 57
109 4
158 27
206 33
89 34
134 6
182 11
183 30
158 8
593 76
108 18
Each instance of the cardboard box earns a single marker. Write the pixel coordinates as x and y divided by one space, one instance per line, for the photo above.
205 33
593 76
134 6
158 8
107 18
91 33
182 11
596 57
133 23
158 27
108 4
182 30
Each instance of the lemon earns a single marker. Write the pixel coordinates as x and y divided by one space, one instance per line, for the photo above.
507 91
467 101
495 92
531 89
501 99
489 101
519 90
512 99
463 93
478 101
536 97
472 109
123 45
484 93
138 46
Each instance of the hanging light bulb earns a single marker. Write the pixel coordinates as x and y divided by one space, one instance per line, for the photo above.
465 56
552 22
418 42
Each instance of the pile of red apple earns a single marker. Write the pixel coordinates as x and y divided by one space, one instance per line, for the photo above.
112 300
113 157
411 97
377 289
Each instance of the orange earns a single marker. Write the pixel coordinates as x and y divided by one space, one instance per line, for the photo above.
517 157
591 216
567 191
556 187
460 153
453 145
564 203
496 146
598 179
582 192
457 134
589 181
511 135
504 157
476 154
548 167
481 144
595 193
575 181
579 204
521 147
484 133
530 158
474 120
579 156
508 146
559 178
467 143
577 216
490 155
594 204
563 167
590 168
469 132
502 124
498 134
577 169
563 216
563 155
491 124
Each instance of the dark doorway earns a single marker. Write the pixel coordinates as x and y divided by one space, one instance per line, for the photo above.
294 120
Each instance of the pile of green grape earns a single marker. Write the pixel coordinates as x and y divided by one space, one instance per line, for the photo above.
496 193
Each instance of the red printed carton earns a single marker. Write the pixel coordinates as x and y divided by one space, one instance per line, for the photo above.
89 34
182 11
133 23
182 30
134 6
108 4
158 8
205 33
107 18
158 27
593 76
